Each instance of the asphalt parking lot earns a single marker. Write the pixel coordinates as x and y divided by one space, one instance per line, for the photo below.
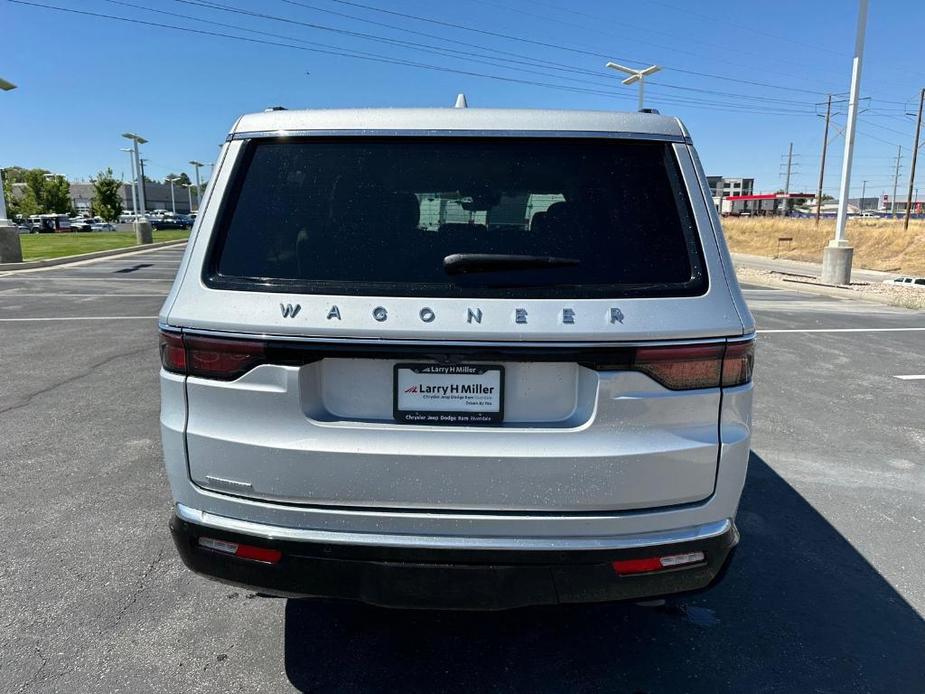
826 593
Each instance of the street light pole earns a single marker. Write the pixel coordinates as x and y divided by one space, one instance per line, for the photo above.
131 159
140 181
143 231
636 76
4 222
189 192
173 202
836 258
196 166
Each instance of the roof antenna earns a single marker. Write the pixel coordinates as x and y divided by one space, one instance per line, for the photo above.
461 101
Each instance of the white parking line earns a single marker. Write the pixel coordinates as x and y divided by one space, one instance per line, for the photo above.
7 294
911 377
842 330
113 258
47 320
120 278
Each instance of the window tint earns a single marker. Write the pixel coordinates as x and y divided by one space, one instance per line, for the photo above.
377 216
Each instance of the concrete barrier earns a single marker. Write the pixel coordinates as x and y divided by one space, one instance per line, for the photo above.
10 245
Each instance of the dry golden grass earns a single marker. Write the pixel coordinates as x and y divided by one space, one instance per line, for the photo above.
879 244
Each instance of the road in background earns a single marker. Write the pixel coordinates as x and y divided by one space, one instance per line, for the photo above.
826 592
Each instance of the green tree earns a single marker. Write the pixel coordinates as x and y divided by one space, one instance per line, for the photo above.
35 188
107 196
26 205
57 195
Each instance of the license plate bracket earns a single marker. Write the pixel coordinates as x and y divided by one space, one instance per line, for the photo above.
449 394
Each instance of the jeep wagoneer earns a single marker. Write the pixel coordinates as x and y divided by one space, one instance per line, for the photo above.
457 358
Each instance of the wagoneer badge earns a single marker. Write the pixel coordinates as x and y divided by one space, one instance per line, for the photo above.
567 316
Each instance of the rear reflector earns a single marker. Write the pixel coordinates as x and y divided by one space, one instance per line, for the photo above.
625 567
267 556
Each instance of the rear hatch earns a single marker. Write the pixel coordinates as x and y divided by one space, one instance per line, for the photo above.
455 323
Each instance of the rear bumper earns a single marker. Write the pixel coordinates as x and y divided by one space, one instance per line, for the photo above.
458 577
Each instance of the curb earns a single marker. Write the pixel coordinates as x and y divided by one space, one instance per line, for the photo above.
67 259
831 291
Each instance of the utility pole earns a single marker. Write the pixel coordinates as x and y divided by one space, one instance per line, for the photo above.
197 165
863 192
825 145
915 154
899 156
787 180
837 257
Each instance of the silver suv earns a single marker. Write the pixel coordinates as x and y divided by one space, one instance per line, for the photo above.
457 358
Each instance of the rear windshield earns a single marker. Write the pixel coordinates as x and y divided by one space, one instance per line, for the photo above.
444 217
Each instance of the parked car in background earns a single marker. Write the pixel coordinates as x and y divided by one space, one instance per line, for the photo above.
102 226
448 371
49 223
169 222
907 281
81 224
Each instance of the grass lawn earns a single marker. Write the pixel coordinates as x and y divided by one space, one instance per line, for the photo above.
42 246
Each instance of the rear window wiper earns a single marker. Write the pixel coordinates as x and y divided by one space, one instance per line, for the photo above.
462 263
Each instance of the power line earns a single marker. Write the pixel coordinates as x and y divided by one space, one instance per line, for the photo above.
342 52
530 59
428 48
599 19
750 28
363 55
608 21
544 44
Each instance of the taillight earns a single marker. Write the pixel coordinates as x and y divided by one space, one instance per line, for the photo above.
210 357
687 367
738 363
224 360
173 353
682 367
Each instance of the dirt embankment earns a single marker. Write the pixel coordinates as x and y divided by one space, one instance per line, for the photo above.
879 244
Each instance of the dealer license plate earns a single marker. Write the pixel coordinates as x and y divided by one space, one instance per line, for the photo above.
460 394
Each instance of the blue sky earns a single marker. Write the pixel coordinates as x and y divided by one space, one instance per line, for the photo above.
748 77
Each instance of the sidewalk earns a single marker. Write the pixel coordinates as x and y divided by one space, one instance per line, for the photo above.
799 276
799 267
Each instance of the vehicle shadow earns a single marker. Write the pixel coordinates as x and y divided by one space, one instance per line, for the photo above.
800 610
